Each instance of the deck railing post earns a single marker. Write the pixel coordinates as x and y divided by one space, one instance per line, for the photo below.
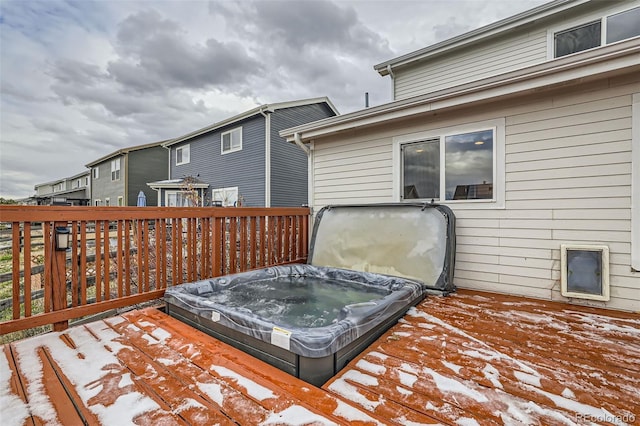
59 279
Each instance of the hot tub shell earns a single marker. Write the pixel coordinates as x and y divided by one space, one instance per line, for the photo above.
418 248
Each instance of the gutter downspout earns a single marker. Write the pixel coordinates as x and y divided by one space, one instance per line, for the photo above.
310 174
267 157
393 82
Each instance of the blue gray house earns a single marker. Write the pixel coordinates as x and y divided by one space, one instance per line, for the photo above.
242 160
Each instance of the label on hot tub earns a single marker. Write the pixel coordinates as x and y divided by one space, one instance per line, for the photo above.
280 337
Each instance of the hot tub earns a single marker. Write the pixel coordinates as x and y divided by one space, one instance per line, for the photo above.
367 266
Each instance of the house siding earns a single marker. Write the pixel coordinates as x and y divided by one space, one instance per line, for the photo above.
568 180
527 46
145 165
288 161
103 187
244 169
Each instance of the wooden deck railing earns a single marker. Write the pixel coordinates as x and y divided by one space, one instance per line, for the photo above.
122 256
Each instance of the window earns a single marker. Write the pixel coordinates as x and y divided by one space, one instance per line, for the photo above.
619 26
86 181
107 202
95 173
577 39
232 140
97 202
120 201
115 169
60 186
178 199
464 172
183 154
623 25
225 197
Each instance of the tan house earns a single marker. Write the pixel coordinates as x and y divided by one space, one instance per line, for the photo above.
529 129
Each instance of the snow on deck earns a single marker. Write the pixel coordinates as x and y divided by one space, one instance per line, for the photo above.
468 359
478 358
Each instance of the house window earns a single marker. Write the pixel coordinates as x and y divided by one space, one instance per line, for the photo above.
120 201
115 169
464 172
225 197
623 25
95 173
232 140
107 202
577 39
179 199
616 27
183 155
86 181
97 202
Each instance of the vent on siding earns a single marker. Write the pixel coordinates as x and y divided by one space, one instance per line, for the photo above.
585 271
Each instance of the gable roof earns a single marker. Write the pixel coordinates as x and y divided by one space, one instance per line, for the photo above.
123 151
247 114
608 60
496 28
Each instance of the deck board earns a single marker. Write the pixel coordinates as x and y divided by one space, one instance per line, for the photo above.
470 358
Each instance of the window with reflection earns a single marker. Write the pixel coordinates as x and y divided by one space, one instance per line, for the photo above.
464 172
421 169
577 39
623 25
468 166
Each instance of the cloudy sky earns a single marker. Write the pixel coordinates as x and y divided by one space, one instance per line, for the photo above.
81 79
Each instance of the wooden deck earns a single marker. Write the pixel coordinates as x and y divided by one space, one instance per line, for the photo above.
471 358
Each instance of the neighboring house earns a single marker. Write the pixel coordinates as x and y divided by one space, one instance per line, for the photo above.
529 129
118 178
71 191
243 160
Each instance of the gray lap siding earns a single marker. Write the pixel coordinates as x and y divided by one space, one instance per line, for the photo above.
244 169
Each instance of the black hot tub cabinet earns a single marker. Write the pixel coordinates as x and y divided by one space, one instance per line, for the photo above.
367 266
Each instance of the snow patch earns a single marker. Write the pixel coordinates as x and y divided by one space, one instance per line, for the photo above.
446 384
352 414
453 367
255 390
404 391
213 391
378 355
493 375
407 379
14 411
529 379
296 416
371 367
568 393
466 421
351 393
358 377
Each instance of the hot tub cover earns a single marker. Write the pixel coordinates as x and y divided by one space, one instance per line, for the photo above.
415 241
395 295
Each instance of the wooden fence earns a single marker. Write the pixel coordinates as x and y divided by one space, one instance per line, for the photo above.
121 256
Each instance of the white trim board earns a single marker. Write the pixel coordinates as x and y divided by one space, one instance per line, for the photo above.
635 182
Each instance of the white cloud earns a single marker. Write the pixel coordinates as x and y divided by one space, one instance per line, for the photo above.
82 79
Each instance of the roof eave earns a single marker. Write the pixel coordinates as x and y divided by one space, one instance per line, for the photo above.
479 34
250 113
562 70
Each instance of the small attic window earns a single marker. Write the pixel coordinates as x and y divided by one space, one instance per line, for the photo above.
577 39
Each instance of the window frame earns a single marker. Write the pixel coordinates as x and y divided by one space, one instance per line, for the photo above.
115 170
635 182
95 173
231 148
107 202
120 201
96 202
585 20
499 179
182 149
227 189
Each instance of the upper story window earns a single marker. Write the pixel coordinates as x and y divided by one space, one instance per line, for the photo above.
183 154
95 173
60 186
120 201
115 169
86 181
609 29
232 140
